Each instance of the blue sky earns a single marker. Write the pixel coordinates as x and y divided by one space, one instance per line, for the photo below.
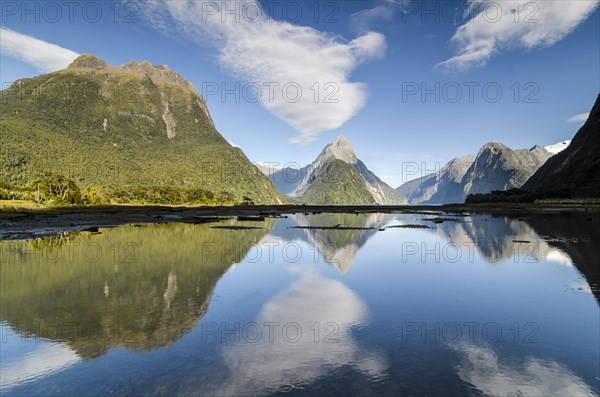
369 62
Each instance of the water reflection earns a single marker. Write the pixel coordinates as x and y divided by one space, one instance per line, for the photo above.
38 361
340 246
138 287
77 296
557 238
482 368
500 238
311 335
144 287
577 235
565 239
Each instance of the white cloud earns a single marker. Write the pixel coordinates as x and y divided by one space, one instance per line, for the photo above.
579 118
271 51
557 256
44 358
45 57
482 368
498 26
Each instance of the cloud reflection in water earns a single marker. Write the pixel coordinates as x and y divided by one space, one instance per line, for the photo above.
268 365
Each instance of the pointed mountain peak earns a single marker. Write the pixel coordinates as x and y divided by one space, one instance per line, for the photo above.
87 61
342 149
342 141
345 181
459 163
494 146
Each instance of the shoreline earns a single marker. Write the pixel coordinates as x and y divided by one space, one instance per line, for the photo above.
24 222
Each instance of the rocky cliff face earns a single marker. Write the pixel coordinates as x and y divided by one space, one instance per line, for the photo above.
497 167
442 187
576 169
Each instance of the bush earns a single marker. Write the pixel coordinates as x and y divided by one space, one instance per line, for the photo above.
95 195
56 188
15 193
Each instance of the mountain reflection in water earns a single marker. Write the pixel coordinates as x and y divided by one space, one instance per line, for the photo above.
146 293
138 287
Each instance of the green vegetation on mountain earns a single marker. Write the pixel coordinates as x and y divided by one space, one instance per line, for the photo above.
337 183
136 133
331 180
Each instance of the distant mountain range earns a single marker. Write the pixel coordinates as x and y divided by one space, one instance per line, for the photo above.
441 187
135 132
140 133
496 167
337 176
573 173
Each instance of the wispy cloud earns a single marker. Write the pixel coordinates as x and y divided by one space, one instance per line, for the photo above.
579 118
500 26
44 56
481 367
374 18
263 50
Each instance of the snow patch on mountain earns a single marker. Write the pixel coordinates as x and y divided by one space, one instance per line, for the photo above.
558 147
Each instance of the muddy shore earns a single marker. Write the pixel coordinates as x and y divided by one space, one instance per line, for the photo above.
18 223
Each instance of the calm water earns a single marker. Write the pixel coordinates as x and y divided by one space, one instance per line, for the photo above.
476 305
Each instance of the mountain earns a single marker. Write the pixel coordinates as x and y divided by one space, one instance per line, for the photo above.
285 179
267 169
497 167
335 182
442 187
337 176
576 169
558 147
137 132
